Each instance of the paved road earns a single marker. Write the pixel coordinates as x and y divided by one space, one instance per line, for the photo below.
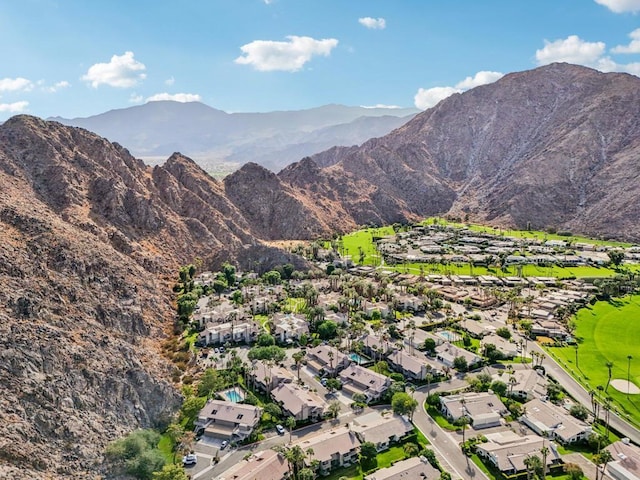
578 392
445 444
233 456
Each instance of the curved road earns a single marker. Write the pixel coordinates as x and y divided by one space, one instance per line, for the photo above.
578 392
445 445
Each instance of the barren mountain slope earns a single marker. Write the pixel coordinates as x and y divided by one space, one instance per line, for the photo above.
556 146
90 241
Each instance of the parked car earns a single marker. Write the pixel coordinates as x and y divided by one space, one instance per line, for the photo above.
280 429
224 444
189 459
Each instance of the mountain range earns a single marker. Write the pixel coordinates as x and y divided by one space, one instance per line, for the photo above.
92 236
220 141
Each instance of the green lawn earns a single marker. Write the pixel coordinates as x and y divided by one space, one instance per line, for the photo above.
440 419
295 305
363 239
262 320
607 332
527 270
352 473
534 234
390 456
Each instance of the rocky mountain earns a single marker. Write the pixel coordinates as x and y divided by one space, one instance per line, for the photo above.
556 147
91 242
92 237
212 137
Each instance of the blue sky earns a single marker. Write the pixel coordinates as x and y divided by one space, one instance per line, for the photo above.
83 57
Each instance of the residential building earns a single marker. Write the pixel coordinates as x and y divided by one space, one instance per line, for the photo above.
380 429
508 348
414 367
357 379
526 384
507 451
289 327
409 469
447 353
554 422
333 449
626 461
375 347
244 331
265 465
228 420
483 409
299 403
327 359
267 377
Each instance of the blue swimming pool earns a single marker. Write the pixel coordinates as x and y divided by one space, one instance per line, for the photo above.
235 395
450 336
357 358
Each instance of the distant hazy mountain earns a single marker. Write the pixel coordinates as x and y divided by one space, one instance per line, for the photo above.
155 130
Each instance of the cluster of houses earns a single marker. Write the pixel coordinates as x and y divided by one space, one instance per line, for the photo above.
450 244
543 424
337 448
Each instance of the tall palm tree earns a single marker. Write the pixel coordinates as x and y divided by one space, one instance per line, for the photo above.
290 422
607 409
629 358
297 358
545 451
609 367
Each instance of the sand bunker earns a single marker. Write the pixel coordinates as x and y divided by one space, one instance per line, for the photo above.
624 386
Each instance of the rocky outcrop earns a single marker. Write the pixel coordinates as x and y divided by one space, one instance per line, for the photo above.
91 236
553 147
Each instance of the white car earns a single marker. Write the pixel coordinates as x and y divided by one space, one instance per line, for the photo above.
280 429
189 459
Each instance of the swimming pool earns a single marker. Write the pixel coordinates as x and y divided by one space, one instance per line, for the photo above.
357 358
449 336
235 395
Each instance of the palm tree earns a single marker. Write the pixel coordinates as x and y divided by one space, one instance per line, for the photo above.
411 449
528 464
629 358
297 357
334 409
609 367
601 459
290 422
331 355
607 409
545 451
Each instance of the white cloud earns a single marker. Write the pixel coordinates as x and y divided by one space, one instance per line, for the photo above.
373 23
175 97
571 50
621 6
590 54
429 97
480 78
14 107
122 71
170 81
15 84
289 56
56 86
136 98
634 45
